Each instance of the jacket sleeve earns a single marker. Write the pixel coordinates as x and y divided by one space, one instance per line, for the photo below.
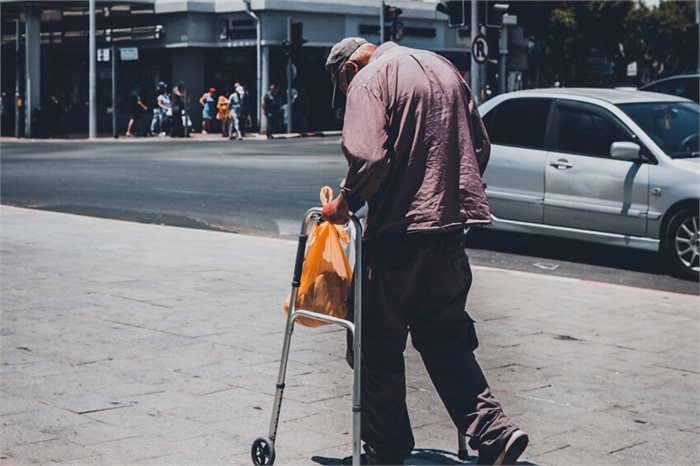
366 146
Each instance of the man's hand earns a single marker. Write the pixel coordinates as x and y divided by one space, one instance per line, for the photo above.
337 211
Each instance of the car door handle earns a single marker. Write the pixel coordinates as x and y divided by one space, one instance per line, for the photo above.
561 164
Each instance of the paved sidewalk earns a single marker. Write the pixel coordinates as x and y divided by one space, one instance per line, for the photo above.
125 343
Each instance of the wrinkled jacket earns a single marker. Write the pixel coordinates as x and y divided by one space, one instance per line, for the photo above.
415 144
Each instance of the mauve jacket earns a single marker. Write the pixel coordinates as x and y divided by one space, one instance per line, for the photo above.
415 144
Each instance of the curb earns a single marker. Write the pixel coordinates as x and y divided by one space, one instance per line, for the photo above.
195 137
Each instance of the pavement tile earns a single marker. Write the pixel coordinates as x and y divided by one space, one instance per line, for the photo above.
49 451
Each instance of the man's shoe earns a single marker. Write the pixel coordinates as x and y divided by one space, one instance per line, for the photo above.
515 446
348 459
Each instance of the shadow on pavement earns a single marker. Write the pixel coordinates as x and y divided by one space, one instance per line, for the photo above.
420 457
570 250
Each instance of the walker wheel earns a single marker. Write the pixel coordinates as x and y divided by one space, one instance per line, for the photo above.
263 451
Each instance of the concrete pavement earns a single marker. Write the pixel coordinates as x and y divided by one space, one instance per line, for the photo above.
125 343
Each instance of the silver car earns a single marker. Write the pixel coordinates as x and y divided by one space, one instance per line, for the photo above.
604 165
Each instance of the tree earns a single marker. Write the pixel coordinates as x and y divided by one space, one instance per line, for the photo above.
591 43
663 39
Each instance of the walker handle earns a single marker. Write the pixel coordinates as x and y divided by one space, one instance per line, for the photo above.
301 250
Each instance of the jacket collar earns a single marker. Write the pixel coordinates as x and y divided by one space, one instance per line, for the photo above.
382 49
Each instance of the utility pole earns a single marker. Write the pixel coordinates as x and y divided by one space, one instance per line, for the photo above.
115 129
474 70
382 19
290 97
503 50
258 58
506 22
18 38
92 126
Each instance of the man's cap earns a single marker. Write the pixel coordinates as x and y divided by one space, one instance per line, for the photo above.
162 84
340 53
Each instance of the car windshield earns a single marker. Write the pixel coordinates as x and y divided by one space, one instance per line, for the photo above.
672 125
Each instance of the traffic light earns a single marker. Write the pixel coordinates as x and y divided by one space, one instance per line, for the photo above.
489 13
494 14
295 45
391 13
455 10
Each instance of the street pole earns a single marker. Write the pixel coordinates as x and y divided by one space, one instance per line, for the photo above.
258 58
473 71
381 23
289 76
115 129
503 49
18 38
92 126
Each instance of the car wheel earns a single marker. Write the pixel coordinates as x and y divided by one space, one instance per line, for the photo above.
682 243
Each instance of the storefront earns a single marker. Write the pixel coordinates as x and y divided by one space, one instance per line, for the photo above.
205 43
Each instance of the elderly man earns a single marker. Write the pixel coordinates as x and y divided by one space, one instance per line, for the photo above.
416 148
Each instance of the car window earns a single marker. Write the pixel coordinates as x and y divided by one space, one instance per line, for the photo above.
673 126
518 122
585 132
683 87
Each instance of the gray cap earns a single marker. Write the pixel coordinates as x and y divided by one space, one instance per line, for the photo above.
340 53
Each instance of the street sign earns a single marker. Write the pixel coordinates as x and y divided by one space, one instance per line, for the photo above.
480 49
129 53
103 54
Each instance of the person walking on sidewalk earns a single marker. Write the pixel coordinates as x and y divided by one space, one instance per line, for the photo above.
416 148
223 114
208 108
178 110
271 107
136 107
159 109
235 104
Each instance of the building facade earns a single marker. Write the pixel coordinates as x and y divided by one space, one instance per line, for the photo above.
203 43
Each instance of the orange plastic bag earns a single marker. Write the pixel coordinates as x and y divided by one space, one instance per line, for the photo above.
326 275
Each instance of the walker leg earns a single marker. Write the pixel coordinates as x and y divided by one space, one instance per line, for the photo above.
462 452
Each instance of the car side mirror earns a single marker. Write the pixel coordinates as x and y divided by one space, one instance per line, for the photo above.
624 150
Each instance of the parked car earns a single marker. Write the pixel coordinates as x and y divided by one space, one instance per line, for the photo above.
682 85
603 165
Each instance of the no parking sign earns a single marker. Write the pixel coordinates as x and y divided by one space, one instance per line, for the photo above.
480 49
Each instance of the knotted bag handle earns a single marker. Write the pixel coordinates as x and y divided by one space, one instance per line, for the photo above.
326 195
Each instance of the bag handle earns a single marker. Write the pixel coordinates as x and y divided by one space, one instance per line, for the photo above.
326 195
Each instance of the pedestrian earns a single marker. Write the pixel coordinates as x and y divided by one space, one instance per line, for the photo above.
244 117
165 106
235 103
178 111
208 108
136 107
271 106
158 110
223 114
416 148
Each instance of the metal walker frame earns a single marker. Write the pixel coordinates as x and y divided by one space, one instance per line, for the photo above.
263 448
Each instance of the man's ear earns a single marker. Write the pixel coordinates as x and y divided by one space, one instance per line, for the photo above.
351 66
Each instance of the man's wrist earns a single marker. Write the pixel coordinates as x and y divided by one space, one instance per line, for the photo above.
353 203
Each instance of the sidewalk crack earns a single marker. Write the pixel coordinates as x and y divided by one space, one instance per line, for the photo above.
628 447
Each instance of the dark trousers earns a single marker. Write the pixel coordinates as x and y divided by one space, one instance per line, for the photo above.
419 284
271 124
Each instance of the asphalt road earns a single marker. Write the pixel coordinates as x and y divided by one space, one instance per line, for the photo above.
263 188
